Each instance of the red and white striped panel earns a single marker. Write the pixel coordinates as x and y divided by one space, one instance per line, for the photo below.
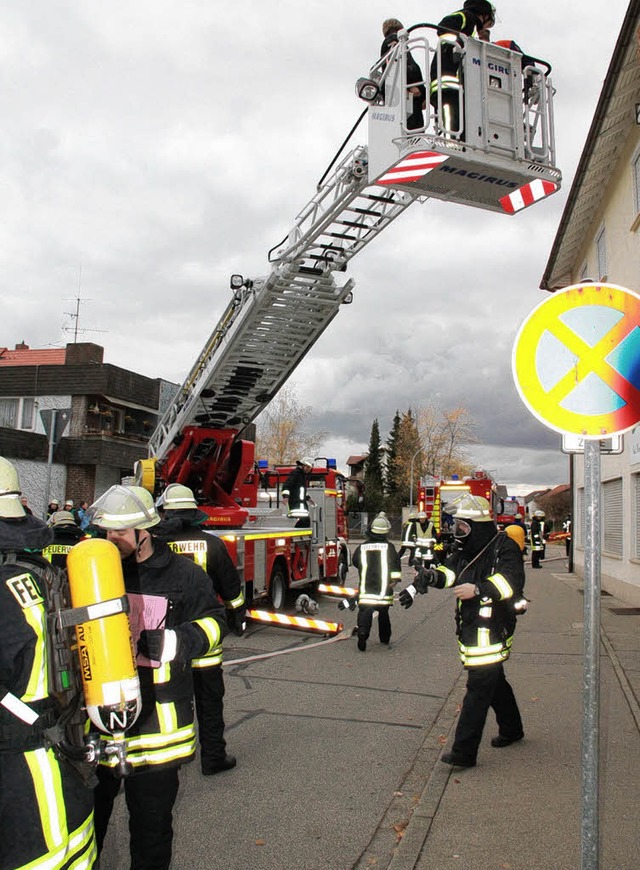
328 589
527 195
299 622
412 168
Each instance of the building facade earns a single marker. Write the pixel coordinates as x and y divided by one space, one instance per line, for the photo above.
598 240
72 424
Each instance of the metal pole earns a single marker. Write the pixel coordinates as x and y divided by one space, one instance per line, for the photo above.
591 677
47 488
572 513
411 477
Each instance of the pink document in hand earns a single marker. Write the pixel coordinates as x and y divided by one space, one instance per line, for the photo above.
145 612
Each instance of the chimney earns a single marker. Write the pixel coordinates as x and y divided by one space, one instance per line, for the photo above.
22 346
82 353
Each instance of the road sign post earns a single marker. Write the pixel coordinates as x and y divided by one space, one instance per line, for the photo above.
591 686
55 421
575 367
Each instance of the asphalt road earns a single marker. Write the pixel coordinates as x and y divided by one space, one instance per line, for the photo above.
334 747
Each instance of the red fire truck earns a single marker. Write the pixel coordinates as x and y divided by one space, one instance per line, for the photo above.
435 492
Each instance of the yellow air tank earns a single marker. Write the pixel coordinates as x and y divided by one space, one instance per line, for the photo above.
107 661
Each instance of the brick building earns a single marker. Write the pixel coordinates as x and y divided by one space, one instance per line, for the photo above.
108 414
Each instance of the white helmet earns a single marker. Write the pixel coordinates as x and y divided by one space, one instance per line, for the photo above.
469 507
177 497
422 515
10 492
538 514
306 460
381 525
124 507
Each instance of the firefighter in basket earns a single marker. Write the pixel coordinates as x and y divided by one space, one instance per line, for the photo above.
46 807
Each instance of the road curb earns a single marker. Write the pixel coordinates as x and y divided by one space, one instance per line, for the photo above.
414 799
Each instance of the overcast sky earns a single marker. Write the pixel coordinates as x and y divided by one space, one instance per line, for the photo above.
150 148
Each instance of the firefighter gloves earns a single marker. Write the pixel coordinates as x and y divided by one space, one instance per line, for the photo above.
237 620
424 578
407 595
158 644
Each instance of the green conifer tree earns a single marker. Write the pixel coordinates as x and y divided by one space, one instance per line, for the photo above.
373 474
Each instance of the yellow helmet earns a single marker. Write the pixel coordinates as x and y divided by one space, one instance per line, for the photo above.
124 507
516 533
10 492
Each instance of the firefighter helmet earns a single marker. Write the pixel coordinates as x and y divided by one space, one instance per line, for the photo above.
469 507
381 525
516 533
124 507
306 461
422 515
10 492
62 518
481 7
177 497
538 514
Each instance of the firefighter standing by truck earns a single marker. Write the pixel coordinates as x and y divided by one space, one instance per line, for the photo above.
46 816
379 568
181 527
487 575
294 492
190 623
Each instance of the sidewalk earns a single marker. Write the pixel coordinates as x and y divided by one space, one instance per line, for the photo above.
520 808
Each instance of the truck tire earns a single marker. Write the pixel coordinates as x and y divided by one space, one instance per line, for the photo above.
278 589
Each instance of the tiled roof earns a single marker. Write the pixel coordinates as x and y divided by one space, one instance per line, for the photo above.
27 357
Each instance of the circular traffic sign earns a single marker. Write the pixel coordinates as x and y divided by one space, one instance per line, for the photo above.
576 360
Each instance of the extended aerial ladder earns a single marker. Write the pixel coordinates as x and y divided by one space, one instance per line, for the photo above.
502 158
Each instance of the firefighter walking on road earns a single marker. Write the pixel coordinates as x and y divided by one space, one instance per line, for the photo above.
46 810
188 623
538 539
487 575
181 527
379 568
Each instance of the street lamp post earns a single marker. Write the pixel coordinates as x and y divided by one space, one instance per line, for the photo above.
419 450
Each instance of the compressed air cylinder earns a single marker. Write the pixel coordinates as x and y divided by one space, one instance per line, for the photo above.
107 661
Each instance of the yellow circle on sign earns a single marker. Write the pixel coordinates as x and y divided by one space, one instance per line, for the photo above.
576 360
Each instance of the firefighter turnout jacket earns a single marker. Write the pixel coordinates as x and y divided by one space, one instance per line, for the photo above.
186 537
46 811
379 568
486 623
295 491
537 535
164 733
